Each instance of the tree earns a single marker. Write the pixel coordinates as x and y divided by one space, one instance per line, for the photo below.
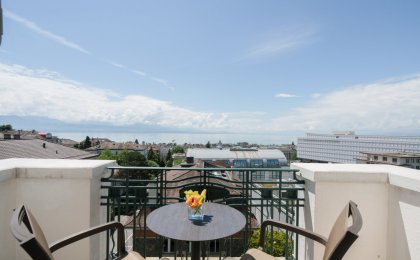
208 145
278 245
170 163
133 158
168 155
7 127
178 149
152 156
152 163
136 141
87 142
293 155
107 155
168 159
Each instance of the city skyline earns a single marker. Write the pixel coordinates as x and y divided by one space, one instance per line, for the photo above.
235 67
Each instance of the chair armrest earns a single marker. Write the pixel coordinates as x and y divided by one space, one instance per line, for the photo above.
314 236
92 231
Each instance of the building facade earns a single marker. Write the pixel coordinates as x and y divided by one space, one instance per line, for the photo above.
408 160
345 147
241 157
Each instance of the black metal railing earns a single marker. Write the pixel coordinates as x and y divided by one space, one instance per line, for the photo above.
130 193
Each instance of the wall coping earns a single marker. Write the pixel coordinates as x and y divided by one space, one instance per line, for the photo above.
53 168
394 175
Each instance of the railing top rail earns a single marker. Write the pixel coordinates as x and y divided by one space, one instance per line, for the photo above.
202 169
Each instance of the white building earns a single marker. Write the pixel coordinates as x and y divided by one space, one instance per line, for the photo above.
240 157
408 160
345 147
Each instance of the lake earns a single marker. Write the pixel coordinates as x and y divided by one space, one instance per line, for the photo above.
181 138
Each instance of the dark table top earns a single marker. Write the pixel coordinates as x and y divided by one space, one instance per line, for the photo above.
172 221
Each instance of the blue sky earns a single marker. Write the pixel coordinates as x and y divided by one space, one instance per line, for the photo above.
236 66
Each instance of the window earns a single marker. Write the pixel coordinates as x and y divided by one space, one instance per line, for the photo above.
256 163
407 160
384 158
257 175
394 160
273 163
239 164
375 157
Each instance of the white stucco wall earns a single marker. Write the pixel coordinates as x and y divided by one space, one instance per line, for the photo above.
7 191
63 195
387 196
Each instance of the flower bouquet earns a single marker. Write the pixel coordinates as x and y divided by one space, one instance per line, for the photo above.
195 204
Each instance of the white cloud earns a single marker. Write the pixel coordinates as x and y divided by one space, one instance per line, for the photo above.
26 92
116 64
284 95
316 95
161 81
139 72
34 27
282 41
389 105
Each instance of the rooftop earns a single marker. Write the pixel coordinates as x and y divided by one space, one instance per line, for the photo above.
36 148
205 153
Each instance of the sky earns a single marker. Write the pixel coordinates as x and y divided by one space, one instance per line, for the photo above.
235 66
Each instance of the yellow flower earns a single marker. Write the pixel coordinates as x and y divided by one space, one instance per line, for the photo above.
203 195
194 200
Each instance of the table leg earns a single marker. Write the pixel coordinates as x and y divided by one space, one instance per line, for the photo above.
195 250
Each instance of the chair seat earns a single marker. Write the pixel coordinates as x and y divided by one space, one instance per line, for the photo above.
254 254
133 256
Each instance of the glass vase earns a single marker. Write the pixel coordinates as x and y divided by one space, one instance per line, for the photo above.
196 213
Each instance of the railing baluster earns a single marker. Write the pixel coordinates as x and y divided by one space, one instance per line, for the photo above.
255 194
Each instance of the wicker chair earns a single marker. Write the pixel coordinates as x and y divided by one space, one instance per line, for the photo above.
27 231
339 241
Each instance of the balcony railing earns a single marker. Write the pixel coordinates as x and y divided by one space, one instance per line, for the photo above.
131 193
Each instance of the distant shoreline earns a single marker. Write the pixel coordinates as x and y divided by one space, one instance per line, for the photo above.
181 138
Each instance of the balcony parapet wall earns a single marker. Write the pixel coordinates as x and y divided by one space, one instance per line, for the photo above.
388 198
64 196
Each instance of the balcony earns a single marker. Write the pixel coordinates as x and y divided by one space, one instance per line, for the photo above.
67 196
259 193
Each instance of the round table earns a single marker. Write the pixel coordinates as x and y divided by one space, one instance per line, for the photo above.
172 221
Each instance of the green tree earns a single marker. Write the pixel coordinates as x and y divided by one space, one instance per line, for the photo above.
133 158
168 156
178 149
4 128
278 247
170 163
152 163
293 156
208 145
168 160
136 141
87 143
107 155
152 156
